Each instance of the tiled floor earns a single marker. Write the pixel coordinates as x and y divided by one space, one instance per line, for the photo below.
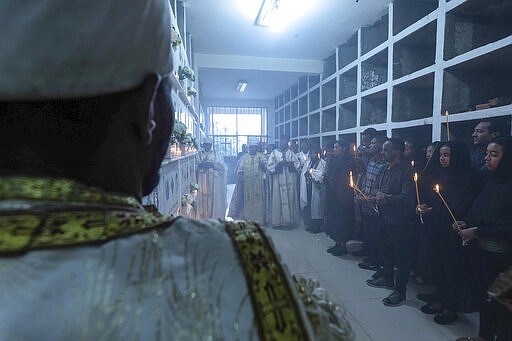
305 254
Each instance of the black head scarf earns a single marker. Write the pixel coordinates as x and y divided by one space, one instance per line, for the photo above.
503 173
460 163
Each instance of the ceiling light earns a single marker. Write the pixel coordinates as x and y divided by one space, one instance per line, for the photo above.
268 13
278 13
241 86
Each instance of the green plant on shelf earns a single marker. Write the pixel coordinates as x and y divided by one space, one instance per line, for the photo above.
186 72
175 38
179 131
191 91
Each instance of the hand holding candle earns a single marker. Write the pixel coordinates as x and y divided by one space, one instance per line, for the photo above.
455 222
417 192
354 186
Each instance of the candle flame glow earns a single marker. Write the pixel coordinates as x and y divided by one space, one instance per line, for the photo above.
415 177
318 156
412 163
436 188
351 179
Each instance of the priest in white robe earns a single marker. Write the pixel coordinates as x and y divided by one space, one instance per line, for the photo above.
312 191
248 200
283 167
211 177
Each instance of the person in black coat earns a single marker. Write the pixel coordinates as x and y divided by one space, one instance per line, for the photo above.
459 186
339 197
489 226
396 202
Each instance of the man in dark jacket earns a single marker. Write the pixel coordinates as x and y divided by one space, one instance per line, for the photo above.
395 199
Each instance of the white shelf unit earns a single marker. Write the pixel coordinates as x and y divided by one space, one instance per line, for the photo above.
402 73
184 105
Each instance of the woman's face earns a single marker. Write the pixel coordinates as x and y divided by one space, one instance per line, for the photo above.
430 151
409 150
493 156
337 150
445 156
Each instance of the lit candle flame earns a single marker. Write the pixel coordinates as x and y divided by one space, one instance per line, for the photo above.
415 177
412 163
351 179
438 191
318 156
289 144
305 158
311 171
325 152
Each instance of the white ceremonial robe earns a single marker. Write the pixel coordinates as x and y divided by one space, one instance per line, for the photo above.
317 188
284 199
250 169
211 197
164 284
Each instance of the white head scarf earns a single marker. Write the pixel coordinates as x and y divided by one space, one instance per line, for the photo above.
62 48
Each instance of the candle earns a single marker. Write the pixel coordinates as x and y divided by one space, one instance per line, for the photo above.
417 194
417 191
447 125
354 186
464 242
438 191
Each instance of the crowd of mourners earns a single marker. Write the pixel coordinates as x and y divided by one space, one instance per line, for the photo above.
437 215
440 216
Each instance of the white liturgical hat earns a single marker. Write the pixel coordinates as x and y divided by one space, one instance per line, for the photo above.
253 141
63 49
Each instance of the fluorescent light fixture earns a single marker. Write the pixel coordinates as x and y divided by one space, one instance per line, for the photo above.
278 13
267 16
241 86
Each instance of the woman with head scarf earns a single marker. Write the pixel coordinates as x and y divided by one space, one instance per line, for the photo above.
339 197
489 226
459 187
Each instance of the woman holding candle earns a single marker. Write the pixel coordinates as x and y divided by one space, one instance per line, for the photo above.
426 231
458 187
489 226
339 197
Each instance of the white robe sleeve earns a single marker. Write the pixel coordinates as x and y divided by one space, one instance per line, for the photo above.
318 173
273 159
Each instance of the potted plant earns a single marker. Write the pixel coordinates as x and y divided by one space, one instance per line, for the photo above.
175 38
186 72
